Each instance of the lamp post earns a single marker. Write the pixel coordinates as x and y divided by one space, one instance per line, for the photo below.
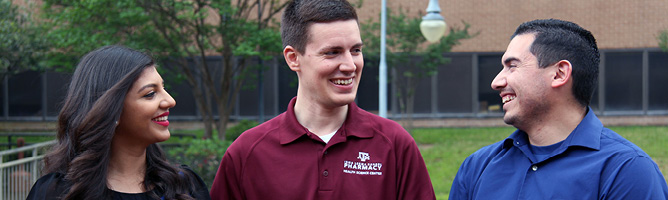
382 80
433 24
432 28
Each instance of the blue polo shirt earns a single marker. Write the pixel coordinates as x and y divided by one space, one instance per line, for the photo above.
593 162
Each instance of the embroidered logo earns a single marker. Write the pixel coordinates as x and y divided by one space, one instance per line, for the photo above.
363 167
363 156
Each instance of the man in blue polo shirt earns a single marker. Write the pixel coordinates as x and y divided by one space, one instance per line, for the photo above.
324 146
560 149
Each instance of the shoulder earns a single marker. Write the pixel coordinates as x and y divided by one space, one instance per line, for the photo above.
614 144
618 153
253 135
259 131
478 160
186 171
636 178
378 121
382 126
621 153
199 190
50 186
472 168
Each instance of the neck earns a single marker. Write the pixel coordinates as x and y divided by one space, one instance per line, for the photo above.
556 125
319 119
127 168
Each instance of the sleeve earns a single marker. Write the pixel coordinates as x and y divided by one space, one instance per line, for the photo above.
50 186
200 191
459 190
226 184
414 181
638 178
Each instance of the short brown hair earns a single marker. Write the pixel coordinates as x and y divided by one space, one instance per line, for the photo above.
299 14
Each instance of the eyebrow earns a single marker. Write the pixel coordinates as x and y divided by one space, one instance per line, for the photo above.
146 86
339 47
150 85
508 60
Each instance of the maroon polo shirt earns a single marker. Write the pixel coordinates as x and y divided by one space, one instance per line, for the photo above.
369 157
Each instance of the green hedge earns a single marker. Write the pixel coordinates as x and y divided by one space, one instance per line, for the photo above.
204 155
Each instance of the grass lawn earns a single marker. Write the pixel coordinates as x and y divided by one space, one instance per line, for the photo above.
444 149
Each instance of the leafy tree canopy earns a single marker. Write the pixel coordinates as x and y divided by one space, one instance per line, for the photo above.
20 42
663 40
182 34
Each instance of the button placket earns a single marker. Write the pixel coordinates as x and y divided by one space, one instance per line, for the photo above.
325 173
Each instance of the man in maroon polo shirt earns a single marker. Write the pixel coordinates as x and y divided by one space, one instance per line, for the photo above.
323 146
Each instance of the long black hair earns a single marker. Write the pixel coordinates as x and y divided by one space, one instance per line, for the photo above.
87 122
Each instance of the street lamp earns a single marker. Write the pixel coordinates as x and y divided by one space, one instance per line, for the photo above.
382 79
432 28
433 24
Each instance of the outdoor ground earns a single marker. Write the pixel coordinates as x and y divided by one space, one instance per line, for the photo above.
445 143
8 126
444 149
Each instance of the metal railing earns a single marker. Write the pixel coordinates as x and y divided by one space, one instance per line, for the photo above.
12 138
18 173
17 176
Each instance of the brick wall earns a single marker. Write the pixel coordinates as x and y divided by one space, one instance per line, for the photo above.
615 23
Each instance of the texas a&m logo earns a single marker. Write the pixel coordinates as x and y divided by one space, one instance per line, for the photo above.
363 168
363 156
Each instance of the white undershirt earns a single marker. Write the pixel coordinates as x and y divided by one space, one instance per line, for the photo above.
327 137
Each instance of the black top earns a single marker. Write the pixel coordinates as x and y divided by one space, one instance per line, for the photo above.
53 186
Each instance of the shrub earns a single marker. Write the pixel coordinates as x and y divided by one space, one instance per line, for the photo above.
234 132
202 155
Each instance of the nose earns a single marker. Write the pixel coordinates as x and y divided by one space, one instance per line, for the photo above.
499 81
348 63
168 101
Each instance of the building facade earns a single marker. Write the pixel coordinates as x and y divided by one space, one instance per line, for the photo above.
633 70
616 24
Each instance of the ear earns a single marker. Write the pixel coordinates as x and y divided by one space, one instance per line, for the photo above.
291 56
562 73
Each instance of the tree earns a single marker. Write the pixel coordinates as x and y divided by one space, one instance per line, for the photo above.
20 46
408 56
181 33
663 40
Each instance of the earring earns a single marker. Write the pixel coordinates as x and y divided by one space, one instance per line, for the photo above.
116 122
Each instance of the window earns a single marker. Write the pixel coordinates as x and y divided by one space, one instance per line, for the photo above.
25 94
488 99
658 72
454 85
623 81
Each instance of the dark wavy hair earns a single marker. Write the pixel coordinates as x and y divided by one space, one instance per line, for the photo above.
86 126
562 40
299 14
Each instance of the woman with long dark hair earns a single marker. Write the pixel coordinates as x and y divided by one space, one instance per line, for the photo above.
114 114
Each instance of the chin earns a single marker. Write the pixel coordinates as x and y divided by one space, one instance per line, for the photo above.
510 120
163 137
344 100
